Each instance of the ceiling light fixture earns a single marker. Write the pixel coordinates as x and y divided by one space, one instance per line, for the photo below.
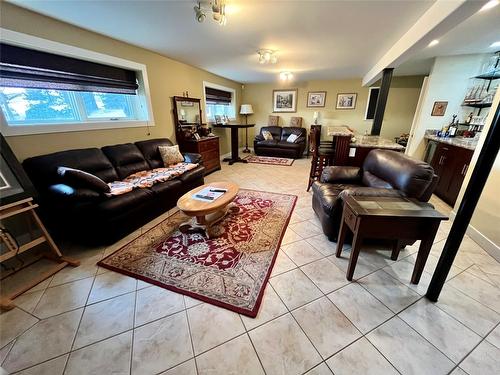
489 5
218 9
267 56
433 43
286 76
495 45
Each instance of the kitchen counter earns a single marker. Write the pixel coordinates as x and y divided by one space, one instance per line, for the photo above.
375 141
467 143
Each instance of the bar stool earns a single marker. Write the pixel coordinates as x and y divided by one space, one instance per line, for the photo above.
322 155
321 143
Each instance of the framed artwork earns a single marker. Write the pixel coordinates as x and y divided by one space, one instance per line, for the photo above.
14 183
439 108
346 101
316 98
285 100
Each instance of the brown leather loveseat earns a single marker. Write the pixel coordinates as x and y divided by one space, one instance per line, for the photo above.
384 173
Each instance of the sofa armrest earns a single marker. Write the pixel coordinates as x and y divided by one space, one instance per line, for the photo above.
371 192
66 193
191 157
259 137
341 175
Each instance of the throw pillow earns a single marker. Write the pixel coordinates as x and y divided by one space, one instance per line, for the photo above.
77 178
267 135
170 155
292 138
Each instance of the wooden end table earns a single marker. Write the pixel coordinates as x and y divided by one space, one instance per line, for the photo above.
206 213
392 218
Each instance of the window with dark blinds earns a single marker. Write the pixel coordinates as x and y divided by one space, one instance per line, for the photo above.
216 96
27 68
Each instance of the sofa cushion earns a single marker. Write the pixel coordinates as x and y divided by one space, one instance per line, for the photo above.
80 179
272 142
285 144
117 205
369 179
409 175
267 135
167 190
150 151
292 138
170 155
42 170
126 158
288 130
274 130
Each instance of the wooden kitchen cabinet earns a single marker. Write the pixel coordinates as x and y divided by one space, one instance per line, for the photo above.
450 163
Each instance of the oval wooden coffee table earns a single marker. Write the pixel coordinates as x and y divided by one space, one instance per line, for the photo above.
206 213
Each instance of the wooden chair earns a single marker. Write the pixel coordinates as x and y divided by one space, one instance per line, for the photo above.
321 156
273 120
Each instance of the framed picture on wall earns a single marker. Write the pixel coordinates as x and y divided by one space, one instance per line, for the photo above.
285 100
439 108
316 98
346 101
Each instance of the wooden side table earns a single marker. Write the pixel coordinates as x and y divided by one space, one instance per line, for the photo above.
391 218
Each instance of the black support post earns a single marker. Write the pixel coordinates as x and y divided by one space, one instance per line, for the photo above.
382 101
473 191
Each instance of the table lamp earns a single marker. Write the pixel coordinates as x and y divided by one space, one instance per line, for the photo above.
315 117
246 109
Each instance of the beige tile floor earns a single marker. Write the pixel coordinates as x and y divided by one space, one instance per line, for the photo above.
89 320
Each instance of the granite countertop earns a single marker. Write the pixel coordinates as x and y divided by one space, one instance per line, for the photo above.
468 143
375 141
338 131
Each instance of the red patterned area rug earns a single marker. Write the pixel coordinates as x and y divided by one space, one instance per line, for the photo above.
230 270
270 160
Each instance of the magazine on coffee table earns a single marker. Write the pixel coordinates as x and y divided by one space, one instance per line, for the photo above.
209 194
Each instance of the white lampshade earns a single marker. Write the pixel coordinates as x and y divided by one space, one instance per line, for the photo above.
246 109
315 115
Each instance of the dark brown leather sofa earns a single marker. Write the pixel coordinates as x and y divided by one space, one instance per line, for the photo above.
384 173
88 216
278 146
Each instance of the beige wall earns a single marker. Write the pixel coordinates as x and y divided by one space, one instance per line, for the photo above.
167 78
401 104
486 218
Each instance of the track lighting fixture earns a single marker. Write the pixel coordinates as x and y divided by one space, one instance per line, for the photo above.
218 9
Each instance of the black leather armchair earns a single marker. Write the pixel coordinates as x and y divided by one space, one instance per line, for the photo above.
90 216
278 146
384 173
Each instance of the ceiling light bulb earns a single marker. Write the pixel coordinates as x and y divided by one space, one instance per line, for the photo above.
199 14
433 43
274 59
495 45
267 55
283 76
489 5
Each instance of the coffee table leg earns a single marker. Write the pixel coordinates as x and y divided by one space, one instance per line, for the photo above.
341 237
396 249
423 253
356 247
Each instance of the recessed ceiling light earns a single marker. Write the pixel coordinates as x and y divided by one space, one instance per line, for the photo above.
494 45
433 43
489 5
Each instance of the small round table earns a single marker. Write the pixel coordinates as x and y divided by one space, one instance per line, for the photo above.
206 213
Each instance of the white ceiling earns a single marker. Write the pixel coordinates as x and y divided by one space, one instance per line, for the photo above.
315 39
474 35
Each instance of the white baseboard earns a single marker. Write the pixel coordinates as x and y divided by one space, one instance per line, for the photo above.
488 245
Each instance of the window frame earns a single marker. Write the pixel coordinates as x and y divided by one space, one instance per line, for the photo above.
219 87
143 93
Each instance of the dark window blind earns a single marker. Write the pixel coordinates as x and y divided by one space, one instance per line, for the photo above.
372 103
27 68
215 96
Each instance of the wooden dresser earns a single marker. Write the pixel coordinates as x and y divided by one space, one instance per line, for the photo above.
209 150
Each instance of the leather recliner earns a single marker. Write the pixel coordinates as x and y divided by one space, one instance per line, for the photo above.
88 216
384 173
278 146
